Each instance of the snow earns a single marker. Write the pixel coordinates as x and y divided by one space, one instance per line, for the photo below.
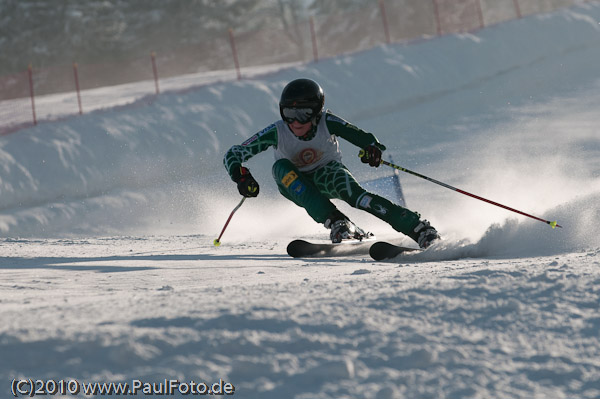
108 271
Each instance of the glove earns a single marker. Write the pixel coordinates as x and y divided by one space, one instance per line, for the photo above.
247 186
372 156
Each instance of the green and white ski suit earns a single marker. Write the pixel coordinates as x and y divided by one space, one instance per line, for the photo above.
309 172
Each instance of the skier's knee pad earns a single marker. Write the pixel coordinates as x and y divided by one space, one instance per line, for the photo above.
282 167
288 178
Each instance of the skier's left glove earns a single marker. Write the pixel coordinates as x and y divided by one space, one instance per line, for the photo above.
372 156
247 186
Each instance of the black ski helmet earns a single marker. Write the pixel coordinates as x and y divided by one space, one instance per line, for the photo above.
303 93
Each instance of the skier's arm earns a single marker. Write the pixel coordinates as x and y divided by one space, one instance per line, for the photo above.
238 154
351 133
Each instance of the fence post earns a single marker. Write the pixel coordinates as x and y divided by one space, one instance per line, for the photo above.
76 75
480 14
154 71
30 73
385 22
436 11
517 8
235 57
313 37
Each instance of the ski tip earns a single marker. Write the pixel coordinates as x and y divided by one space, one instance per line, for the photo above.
216 242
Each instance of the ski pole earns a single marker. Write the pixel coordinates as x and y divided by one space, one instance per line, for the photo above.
552 224
217 241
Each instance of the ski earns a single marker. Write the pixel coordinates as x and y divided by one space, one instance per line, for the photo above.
384 250
306 249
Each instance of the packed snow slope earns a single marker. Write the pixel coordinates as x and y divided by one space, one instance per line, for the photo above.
108 272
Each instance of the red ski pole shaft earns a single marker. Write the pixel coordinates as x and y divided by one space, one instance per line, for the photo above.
553 224
217 241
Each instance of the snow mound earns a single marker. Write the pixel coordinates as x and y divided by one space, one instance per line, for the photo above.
528 238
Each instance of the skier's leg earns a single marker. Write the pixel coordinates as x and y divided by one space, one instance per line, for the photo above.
299 189
401 219
336 181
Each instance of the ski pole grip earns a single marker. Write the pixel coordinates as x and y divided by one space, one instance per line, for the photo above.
361 153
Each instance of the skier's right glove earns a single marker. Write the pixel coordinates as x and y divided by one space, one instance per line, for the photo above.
247 186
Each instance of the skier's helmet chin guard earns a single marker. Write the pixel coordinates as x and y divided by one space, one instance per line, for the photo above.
302 100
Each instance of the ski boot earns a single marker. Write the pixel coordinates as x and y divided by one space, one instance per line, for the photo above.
343 229
424 234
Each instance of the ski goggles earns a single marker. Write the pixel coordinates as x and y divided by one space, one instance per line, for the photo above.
302 115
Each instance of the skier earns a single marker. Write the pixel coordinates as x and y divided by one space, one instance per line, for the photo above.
308 168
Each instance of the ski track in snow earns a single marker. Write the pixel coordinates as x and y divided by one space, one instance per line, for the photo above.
126 308
108 271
